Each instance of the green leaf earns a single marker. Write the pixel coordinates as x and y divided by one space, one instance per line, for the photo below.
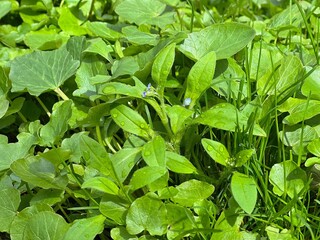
192 191
287 178
85 229
180 220
275 234
46 226
121 233
135 36
243 156
124 160
226 116
150 12
314 147
131 121
217 151
147 213
40 172
21 221
101 184
244 191
145 176
42 71
153 152
303 110
162 65
45 39
9 203
95 155
179 164
98 46
11 152
5 7
103 30
225 39
178 116
311 85
200 77
70 21
115 208
54 130
4 105
47 196
284 77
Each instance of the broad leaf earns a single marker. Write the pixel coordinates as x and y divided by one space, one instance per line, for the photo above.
314 147
243 156
179 164
11 152
9 203
217 151
42 71
102 184
244 191
150 12
85 229
287 178
46 226
147 213
145 176
40 172
131 121
135 36
192 191
5 7
103 30
178 116
311 85
225 39
200 77
95 155
115 208
153 152
58 124
121 233
124 160
22 219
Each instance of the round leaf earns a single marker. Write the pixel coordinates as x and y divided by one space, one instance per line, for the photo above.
217 151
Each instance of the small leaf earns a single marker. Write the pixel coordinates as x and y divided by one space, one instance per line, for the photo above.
200 77
121 233
192 191
217 151
42 71
147 213
153 152
311 85
226 39
85 229
179 164
102 184
130 121
244 191
162 65
103 30
145 176
46 226
135 36
243 156
9 203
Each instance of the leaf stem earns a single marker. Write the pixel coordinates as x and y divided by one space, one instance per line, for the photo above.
43 106
61 94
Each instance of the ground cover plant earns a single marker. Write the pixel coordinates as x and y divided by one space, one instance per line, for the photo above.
158 119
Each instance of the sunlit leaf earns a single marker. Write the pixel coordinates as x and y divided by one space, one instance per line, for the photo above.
9 203
42 71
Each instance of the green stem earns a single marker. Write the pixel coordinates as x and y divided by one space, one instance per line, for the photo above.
43 106
61 94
